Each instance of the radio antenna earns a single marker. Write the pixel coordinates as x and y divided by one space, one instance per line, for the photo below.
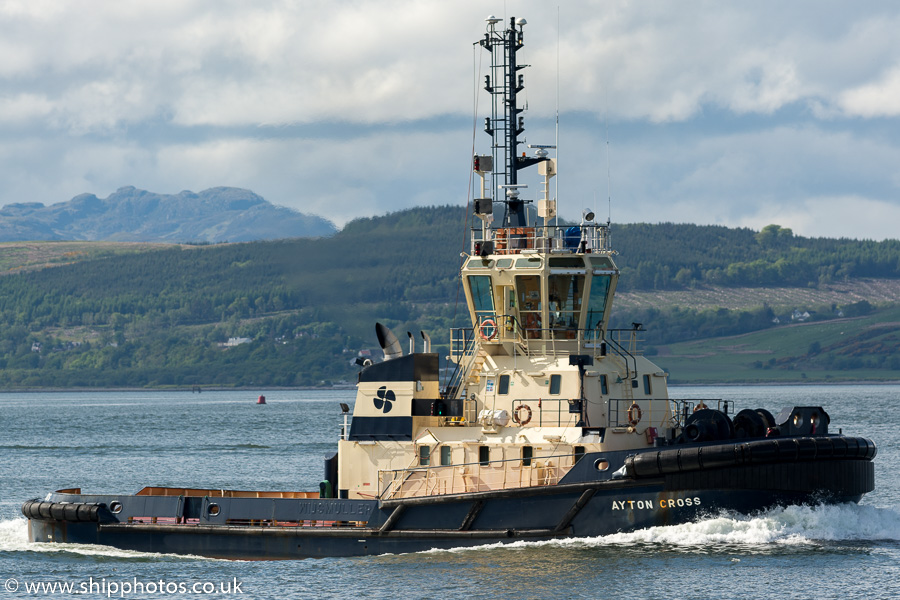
556 183
608 176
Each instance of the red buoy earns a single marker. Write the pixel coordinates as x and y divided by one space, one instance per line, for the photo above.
261 400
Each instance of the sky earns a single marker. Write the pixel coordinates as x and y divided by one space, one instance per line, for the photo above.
714 112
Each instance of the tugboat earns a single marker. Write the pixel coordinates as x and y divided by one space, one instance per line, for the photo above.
552 425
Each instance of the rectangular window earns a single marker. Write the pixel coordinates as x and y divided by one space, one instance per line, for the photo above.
528 263
567 262
482 296
579 452
647 384
597 303
445 456
555 384
604 387
527 453
528 299
484 455
424 456
503 386
565 293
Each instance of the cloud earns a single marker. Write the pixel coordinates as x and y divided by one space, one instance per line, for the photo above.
879 99
832 216
359 107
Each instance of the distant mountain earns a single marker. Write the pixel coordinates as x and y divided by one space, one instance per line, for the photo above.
132 215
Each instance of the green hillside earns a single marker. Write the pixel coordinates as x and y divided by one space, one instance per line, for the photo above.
846 349
156 315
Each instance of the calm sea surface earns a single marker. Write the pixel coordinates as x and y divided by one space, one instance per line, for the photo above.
122 441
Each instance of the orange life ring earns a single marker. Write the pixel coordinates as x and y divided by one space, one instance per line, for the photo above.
634 414
518 419
700 406
485 325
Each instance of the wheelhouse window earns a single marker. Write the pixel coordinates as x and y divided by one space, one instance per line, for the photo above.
424 456
647 384
482 297
565 295
555 384
479 263
528 263
528 294
445 456
597 304
604 386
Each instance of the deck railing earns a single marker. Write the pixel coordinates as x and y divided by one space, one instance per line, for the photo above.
554 341
438 480
588 237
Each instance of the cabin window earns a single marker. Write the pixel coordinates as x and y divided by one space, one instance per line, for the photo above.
445 456
424 456
503 385
604 386
597 304
578 453
504 263
527 454
555 384
565 295
601 262
647 384
484 455
482 296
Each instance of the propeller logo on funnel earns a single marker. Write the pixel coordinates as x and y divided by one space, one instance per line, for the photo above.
384 400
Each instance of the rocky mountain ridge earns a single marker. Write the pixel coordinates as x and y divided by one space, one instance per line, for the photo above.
133 215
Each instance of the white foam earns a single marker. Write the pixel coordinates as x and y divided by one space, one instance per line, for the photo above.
793 525
14 538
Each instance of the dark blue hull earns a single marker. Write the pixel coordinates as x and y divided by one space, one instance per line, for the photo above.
267 528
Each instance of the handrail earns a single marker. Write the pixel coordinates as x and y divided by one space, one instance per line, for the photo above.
620 414
508 473
619 349
454 383
682 408
584 238
537 411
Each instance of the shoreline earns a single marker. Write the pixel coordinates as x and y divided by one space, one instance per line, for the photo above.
37 390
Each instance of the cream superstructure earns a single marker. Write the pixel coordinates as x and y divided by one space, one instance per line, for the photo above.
539 379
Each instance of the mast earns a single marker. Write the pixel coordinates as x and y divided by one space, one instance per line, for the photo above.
505 124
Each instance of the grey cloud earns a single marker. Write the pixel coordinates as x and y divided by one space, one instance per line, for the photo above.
353 108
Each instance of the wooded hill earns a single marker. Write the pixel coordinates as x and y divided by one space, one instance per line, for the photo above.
309 305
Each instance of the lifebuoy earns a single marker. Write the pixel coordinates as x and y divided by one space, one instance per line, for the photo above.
518 419
700 406
488 324
634 414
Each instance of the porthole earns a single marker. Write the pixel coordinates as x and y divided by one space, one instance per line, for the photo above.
213 509
798 420
601 464
115 506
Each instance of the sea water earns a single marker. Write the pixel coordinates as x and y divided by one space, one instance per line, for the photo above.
122 441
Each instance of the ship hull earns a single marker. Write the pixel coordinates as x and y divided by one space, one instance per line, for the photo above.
577 509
